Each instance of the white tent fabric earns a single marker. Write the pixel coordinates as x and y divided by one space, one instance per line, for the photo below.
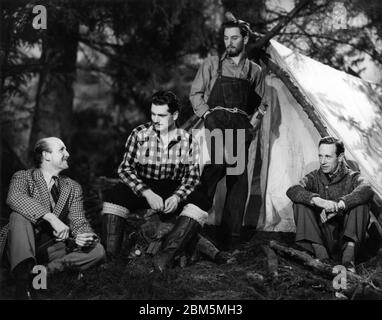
350 108
289 151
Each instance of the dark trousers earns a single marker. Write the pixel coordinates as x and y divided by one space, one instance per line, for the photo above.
237 184
123 195
351 225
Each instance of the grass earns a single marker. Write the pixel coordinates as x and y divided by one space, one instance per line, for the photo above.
245 277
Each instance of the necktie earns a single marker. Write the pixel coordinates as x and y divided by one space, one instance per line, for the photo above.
54 190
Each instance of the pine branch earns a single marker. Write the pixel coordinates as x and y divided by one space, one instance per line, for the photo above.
262 42
373 54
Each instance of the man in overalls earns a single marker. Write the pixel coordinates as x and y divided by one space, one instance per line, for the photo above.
226 91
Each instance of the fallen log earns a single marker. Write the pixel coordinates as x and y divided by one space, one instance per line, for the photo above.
346 282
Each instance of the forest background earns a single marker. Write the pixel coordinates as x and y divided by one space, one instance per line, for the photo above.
88 77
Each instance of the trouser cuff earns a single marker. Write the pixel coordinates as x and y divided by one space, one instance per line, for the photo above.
195 213
111 208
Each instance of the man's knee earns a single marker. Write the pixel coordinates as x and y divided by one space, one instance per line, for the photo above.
361 210
301 209
199 199
16 219
21 239
356 223
300 206
98 253
19 225
120 195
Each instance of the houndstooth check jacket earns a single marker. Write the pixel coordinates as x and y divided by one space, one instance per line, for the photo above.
29 196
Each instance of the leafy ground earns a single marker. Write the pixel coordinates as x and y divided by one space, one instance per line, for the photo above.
244 277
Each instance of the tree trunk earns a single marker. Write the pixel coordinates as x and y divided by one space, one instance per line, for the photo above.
4 49
54 99
1 176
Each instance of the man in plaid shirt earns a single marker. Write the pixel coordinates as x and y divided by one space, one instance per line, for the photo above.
48 221
149 157
160 168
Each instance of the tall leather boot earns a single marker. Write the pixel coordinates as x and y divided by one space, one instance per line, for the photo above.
23 278
113 228
183 232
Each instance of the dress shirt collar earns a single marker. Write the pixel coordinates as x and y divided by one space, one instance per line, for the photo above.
48 178
176 135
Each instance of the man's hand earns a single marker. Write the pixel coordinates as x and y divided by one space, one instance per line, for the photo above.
171 204
341 205
327 205
155 201
61 230
86 239
263 108
324 217
257 118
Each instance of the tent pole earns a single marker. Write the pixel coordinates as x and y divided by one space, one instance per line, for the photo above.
299 96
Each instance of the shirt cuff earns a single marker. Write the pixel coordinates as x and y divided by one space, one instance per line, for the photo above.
139 189
181 194
306 197
346 201
37 217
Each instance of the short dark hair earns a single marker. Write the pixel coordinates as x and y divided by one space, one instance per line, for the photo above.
242 25
166 97
340 148
40 146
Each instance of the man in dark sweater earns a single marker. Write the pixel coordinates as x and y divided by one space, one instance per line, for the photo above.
331 209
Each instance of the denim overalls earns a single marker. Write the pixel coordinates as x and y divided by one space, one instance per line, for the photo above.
231 101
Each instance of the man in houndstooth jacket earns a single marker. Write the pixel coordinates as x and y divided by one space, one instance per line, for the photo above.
47 223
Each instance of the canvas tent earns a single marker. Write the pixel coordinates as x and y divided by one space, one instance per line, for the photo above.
335 103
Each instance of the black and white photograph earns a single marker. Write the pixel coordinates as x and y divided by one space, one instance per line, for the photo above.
194 155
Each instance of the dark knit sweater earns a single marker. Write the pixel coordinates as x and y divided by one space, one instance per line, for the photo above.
346 185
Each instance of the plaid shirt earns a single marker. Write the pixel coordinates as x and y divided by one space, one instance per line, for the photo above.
147 158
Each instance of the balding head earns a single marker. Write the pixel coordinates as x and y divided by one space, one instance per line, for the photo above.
48 144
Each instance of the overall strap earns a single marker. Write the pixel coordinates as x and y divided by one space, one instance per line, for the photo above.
220 67
249 71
